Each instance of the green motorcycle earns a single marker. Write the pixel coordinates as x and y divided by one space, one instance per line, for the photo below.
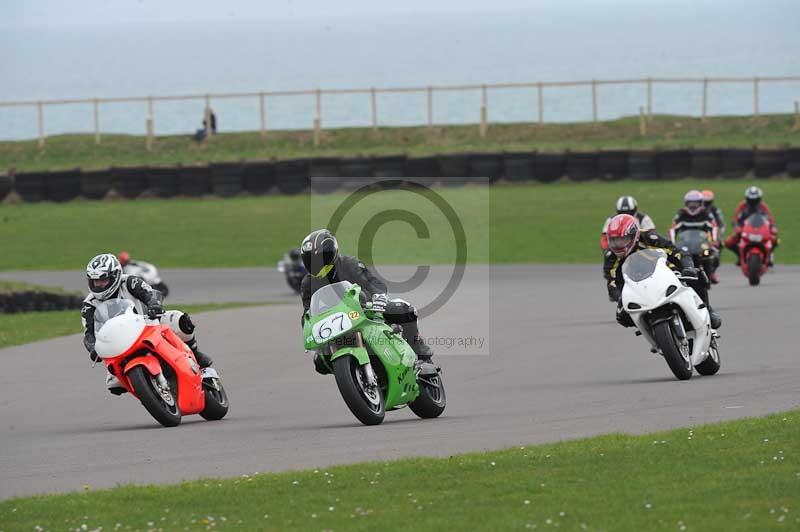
375 368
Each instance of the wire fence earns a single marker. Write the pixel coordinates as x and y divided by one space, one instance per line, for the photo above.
540 95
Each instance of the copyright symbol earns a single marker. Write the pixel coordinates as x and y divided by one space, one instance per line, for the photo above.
370 229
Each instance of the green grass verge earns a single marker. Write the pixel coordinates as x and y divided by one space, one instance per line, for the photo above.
742 475
26 327
666 131
532 223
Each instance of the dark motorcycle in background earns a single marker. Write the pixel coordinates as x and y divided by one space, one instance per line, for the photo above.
699 244
292 267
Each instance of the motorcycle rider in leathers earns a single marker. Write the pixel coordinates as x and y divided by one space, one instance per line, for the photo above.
695 215
324 264
106 281
624 239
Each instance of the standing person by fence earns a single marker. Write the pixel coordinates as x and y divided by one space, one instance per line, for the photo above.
201 134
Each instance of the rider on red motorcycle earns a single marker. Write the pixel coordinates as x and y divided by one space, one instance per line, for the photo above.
106 281
624 238
751 204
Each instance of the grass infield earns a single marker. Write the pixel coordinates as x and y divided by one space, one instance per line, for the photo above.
741 475
531 223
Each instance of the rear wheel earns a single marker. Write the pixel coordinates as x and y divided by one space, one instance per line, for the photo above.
675 352
431 400
216 400
359 389
158 399
712 363
754 269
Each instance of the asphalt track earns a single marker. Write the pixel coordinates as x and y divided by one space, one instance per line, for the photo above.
554 366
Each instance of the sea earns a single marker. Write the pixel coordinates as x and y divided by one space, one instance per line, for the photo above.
544 43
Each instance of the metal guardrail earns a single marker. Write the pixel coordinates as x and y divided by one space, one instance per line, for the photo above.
429 90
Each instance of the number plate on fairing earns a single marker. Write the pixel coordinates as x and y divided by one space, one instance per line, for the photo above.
330 327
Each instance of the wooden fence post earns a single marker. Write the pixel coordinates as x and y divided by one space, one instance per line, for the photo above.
642 122
540 94
262 118
430 107
95 105
374 105
705 100
40 110
796 116
650 98
755 97
149 124
484 111
209 129
318 119
594 101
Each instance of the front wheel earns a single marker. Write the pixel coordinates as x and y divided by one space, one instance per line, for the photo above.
158 399
431 400
677 354
216 400
360 392
754 269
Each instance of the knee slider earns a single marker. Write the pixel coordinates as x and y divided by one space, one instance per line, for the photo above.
185 324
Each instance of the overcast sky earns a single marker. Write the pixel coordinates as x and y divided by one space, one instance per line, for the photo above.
27 13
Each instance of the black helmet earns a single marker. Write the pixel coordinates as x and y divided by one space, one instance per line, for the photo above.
753 196
319 251
626 205
294 254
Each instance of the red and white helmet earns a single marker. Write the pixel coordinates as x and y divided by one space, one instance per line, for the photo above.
693 201
623 234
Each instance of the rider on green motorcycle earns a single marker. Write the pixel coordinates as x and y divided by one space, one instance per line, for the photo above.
320 253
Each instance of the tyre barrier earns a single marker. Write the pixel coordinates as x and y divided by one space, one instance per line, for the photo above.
612 164
518 166
642 165
96 184
194 180
706 163
129 182
549 167
163 182
389 166
291 176
6 185
226 179
31 186
736 163
767 163
37 301
324 175
453 168
581 166
793 162
483 166
64 185
674 164
258 176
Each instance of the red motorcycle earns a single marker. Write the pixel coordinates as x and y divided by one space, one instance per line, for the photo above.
755 247
156 366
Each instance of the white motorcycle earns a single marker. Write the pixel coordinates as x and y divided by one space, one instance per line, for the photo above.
149 273
670 315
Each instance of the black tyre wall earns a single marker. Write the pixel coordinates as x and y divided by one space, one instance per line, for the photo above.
259 176
6 185
96 184
163 182
736 163
767 163
31 186
549 167
674 164
706 163
130 182
226 179
612 165
642 165
518 166
581 166
64 185
194 180
291 175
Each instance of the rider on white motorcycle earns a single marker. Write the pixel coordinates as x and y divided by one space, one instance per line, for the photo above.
624 239
148 272
106 281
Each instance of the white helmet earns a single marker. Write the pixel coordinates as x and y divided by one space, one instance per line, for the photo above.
626 205
693 200
104 274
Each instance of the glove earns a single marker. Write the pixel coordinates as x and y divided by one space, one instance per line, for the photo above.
154 312
94 356
614 294
690 272
379 302
623 318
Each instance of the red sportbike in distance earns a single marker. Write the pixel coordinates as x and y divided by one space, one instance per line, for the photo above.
156 366
755 247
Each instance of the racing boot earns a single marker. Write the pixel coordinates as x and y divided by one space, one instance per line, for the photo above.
716 320
203 360
320 366
113 385
714 277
